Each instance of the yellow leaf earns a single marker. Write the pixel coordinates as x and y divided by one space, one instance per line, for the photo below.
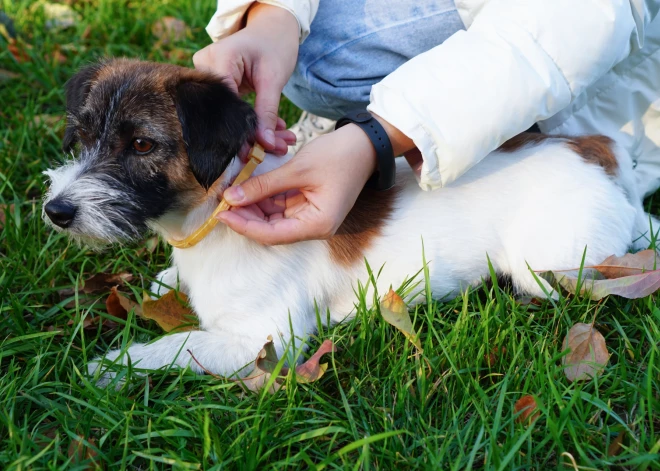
171 312
395 313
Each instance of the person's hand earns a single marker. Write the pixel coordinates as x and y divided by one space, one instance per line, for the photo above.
260 58
281 133
308 197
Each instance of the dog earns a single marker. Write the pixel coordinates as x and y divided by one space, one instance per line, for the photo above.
154 145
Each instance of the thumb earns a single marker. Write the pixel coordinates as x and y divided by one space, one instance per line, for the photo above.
266 104
263 186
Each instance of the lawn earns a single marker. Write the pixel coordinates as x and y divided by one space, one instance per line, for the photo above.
379 405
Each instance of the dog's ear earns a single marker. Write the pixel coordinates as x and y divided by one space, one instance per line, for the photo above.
77 89
215 124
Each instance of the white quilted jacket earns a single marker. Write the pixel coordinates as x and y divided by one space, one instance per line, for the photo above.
573 66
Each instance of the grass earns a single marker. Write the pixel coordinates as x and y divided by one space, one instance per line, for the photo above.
378 406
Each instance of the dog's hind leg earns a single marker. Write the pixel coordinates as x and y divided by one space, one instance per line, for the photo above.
221 353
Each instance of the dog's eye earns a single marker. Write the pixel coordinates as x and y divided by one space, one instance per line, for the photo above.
142 146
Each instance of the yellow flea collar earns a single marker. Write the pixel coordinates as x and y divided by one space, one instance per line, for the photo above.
256 156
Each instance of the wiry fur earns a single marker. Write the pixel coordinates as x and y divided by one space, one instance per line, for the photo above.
539 205
105 199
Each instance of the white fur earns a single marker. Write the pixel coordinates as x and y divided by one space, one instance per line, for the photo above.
94 200
539 206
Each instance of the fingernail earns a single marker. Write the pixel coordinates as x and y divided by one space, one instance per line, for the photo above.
269 137
234 194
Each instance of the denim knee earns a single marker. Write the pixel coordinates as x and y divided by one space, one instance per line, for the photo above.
354 44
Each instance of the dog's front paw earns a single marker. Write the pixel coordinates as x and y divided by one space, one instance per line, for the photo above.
102 372
166 280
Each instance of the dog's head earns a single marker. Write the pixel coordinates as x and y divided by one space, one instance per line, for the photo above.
148 140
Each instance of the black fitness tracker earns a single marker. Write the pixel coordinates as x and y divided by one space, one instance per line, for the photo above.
383 177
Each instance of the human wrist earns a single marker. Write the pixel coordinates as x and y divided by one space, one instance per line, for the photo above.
361 146
400 142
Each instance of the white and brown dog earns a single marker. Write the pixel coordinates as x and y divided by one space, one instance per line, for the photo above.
157 144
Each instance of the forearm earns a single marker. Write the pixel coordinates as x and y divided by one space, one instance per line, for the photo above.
519 63
268 16
400 142
231 15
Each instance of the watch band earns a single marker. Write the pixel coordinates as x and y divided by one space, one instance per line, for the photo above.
384 176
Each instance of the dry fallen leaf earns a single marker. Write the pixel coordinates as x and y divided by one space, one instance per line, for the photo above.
313 369
169 29
8 75
631 276
596 286
395 312
264 365
79 451
266 362
91 322
119 305
56 57
99 283
18 50
527 408
630 264
588 354
178 55
615 445
5 209
170 311
494 356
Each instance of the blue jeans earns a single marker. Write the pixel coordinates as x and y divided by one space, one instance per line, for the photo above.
354 44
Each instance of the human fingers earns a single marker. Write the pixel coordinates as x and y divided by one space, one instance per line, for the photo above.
266 104
255 189
275 231
252 212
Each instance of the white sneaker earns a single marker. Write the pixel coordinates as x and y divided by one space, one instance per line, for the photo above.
308 128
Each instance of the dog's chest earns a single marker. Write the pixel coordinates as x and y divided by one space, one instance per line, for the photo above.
229 278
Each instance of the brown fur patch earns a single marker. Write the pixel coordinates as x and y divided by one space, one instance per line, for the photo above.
595 149
522 140
363 223
155 78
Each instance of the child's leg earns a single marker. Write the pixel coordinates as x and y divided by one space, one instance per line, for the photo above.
355 44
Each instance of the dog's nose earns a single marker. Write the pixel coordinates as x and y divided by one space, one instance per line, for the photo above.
60 212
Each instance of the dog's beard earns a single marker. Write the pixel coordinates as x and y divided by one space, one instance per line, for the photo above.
106 212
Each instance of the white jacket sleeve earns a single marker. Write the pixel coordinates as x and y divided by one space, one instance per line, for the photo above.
229 16
521 61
